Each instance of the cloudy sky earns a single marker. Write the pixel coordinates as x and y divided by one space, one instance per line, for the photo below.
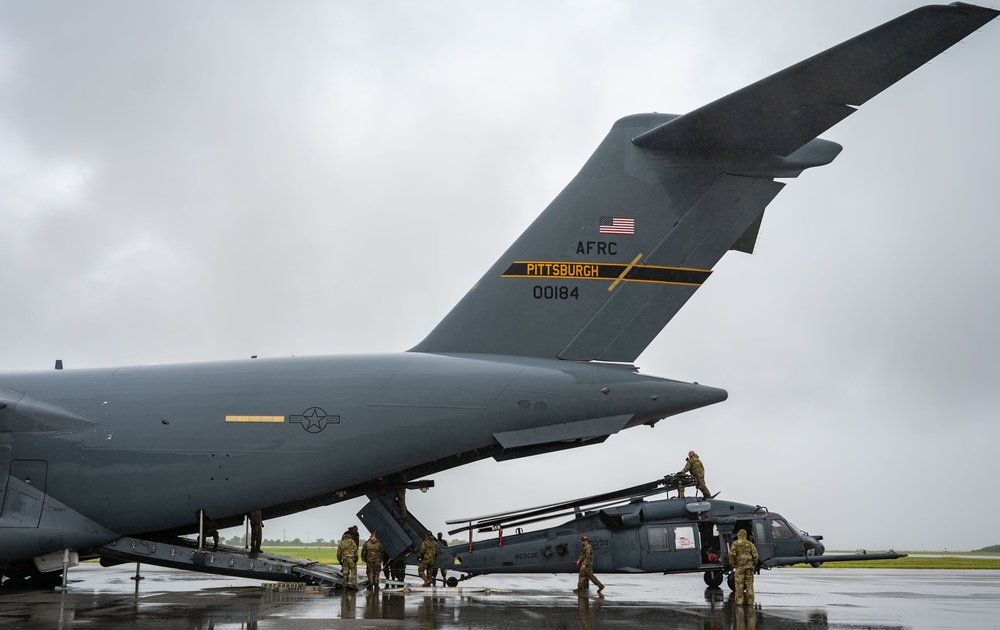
188 181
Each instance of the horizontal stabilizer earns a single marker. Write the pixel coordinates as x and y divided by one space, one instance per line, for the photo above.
783 112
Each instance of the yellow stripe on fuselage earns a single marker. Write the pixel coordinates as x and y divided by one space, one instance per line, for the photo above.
255 418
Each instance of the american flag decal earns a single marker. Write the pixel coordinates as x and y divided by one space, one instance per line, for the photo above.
617 225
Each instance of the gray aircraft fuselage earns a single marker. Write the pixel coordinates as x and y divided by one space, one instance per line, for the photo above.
142 449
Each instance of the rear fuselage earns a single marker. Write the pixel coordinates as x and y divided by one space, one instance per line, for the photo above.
94 454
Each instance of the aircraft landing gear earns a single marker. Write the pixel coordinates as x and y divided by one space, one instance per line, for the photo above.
713 578
452 582
812 552
731 582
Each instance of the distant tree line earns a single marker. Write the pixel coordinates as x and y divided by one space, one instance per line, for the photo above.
240 541
990 549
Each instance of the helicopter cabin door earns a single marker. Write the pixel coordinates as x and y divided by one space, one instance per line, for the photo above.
671 547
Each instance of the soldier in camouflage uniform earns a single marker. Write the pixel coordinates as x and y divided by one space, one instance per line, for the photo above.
372 552
743 557
256 530
352 531
347 555
426 558
697 470
209 528
586 562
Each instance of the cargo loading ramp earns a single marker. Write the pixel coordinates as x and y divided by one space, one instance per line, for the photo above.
184 554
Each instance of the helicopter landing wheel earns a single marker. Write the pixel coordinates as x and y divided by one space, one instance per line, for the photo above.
731 581
812 552
713 578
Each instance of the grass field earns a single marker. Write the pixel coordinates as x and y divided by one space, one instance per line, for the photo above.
323 555
921 560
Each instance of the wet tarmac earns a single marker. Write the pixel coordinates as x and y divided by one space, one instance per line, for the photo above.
106 598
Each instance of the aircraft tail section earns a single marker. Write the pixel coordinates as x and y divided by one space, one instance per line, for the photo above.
631 238
611 260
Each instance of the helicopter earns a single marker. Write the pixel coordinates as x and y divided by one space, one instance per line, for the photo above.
629 534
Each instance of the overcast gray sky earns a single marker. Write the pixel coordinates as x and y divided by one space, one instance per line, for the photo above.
189 181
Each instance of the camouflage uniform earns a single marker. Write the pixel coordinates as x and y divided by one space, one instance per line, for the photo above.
352 531
347 555
256 531
586 562
209 528
372 552
426 558
697 470
743 557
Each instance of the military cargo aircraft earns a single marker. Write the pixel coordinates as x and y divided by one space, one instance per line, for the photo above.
537 356
628 534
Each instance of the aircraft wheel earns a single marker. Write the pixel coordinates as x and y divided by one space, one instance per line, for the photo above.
812 552
452 582
713 578
731 581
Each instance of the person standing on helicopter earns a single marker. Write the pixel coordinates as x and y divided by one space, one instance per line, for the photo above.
697 470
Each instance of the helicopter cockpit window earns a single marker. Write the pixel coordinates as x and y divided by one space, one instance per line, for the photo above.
780 530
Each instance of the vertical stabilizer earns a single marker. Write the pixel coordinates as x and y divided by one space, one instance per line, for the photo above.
611 260
638 231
